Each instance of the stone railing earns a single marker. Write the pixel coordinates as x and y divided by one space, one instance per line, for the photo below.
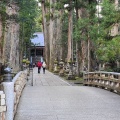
2 106
105 80
19 84
13 91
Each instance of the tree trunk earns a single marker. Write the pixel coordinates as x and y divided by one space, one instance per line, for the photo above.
11 40
1 40
52 34
69 54
55 30
46 33
78 52
52 43
85 46
59 47
88 60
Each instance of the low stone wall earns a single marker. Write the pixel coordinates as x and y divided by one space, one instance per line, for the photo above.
12 92
105 80
19 84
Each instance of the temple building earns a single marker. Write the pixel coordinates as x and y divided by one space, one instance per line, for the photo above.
37 47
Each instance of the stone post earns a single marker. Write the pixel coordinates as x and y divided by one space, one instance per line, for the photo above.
9 92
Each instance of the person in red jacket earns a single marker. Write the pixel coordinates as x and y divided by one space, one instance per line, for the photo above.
39 65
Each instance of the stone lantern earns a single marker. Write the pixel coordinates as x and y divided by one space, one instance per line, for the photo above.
56 66
24 63
61 65
7 77
71 76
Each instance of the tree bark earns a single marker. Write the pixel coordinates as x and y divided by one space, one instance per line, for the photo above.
46 34
59 46
1 40
82 13
11 39
69 54
52 34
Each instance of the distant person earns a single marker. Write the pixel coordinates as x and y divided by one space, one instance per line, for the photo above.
39 65
44 67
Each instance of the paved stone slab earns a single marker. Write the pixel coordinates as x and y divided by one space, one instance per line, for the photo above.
47 79
46 101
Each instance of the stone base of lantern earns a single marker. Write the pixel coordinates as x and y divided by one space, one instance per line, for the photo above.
71 76
61 73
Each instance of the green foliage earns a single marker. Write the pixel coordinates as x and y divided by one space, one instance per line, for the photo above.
109 14
47 4
38 21
98 30
28 20
89 26
109 50
49 16
108 46
64 28
3 17
63 1
85 28
28 12
2 8
59 6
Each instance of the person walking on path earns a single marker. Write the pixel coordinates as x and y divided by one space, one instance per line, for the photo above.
39 65
44 67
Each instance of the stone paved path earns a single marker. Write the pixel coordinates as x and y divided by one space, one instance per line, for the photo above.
51 98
